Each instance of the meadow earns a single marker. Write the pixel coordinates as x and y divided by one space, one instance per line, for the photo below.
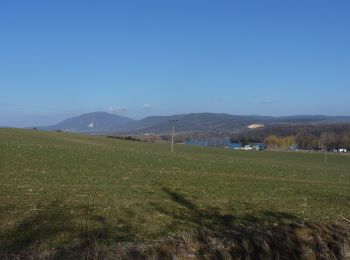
57 187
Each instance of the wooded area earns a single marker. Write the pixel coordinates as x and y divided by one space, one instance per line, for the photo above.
329 136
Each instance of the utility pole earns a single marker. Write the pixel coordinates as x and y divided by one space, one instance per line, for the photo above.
172 134
325 148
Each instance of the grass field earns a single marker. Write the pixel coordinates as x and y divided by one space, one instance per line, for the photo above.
56 187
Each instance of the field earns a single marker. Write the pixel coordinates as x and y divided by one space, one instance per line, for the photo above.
58 187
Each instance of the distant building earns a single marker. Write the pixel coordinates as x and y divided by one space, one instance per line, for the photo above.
342 150
254 146
247 147
224 142
258 146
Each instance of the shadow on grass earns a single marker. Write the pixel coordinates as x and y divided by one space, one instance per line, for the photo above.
216 219
38 226
263 235
55 232
67 230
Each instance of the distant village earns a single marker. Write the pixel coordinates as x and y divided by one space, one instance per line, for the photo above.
228 144
333 138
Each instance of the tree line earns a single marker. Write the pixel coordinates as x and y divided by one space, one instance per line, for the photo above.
328 136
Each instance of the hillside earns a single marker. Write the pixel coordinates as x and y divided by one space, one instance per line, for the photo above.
64 194
96 122
101 122
307 136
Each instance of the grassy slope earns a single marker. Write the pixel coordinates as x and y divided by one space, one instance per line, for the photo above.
56 186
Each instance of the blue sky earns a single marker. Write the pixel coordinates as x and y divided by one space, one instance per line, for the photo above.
140 58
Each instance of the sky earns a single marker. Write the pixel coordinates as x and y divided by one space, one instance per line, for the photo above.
61 58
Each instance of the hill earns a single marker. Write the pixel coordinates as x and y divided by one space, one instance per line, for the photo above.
66 195
221 123
196 122
158 123
101 122
96 122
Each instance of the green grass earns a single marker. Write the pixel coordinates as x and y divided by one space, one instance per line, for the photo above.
56 187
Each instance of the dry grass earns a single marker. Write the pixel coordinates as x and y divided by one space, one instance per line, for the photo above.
284 241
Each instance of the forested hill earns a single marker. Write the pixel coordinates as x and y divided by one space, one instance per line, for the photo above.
307 136
101 122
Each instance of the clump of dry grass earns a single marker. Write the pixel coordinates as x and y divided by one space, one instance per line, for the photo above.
284 241
287 241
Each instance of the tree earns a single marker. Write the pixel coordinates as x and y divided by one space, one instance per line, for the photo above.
276 142
329 140
307 140
244 141
271 141
345 140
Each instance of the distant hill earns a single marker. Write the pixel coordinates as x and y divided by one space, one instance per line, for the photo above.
102 122
152 123
307 134
96 122
194 122
220 123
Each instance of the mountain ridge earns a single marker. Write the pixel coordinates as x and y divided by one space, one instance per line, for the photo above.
103 122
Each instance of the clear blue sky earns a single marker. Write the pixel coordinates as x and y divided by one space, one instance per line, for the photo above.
140 58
